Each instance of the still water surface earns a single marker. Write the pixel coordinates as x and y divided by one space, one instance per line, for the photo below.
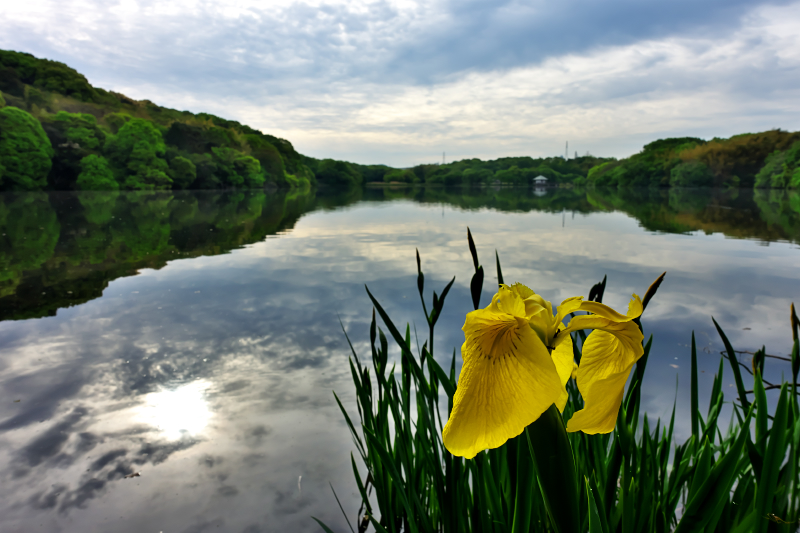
195 338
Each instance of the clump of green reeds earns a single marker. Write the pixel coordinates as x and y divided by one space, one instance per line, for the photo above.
637 479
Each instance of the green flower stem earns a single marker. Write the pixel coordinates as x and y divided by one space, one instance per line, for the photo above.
555 464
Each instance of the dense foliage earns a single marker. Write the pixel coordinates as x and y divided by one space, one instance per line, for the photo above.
766 159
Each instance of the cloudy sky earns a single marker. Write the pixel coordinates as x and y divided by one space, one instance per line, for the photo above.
401 81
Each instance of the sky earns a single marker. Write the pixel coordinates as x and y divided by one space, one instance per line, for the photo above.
401 82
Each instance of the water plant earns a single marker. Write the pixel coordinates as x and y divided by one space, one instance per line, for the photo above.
628 476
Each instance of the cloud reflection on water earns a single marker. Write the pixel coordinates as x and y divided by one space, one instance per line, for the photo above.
178 411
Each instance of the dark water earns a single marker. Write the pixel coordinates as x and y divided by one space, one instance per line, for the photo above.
195 338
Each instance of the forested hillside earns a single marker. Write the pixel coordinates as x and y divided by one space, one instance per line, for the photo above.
770 159
59 132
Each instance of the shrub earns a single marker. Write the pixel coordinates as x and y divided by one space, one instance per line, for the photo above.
25 151
183 172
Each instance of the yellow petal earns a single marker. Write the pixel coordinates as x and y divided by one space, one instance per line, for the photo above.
570 305
606 361
507 381
522 290
634 310
534 304
563 358
508 301
635 307
602 401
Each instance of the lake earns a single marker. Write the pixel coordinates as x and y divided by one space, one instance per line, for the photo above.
195 338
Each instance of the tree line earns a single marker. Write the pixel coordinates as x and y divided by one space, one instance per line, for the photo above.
58 132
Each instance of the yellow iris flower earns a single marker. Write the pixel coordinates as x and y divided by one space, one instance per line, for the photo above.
518 358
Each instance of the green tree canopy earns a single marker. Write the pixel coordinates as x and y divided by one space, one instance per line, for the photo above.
49 75
741 155
182 171
269 157
781 169
511 175
691 174
80 129
96 175
25 151
401 175
137 154
333 172
116 120
237 169
477 176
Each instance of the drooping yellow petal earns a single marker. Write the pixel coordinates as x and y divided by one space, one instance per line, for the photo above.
601 397
603 317
604 369
507 381
607 357
570 305
634 309
564 360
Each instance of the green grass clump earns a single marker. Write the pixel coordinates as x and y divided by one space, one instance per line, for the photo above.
636 479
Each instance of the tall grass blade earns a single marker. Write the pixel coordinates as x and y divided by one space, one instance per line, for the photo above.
341 508
325 528
555 465
596 524
775 454
651 290
737 374
476 284
499 270
695 407
597 291
715 488
523 503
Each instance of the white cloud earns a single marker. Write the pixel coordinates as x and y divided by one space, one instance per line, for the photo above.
400 82
610 102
